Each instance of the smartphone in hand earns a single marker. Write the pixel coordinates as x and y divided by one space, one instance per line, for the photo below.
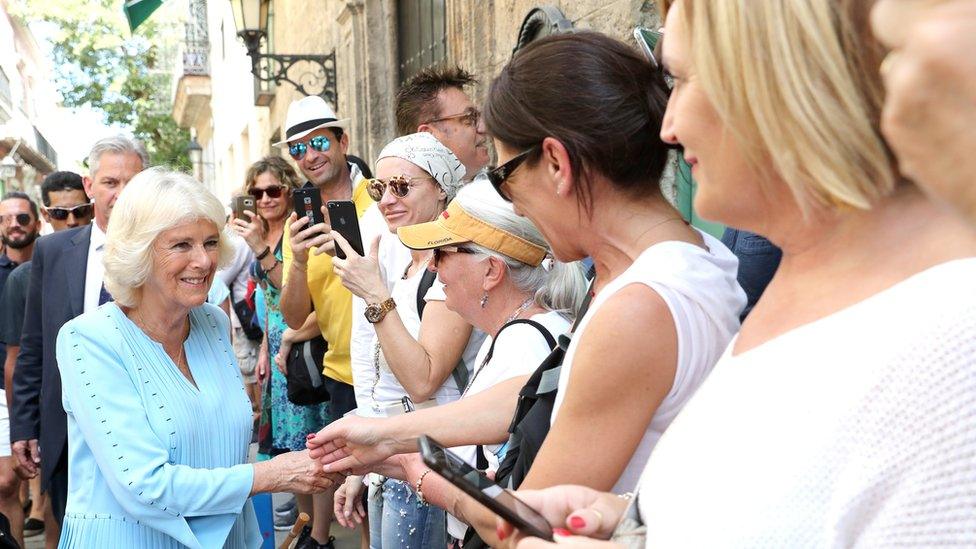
308 203
343 219
474 483
242 204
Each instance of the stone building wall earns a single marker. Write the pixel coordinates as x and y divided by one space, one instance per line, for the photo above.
480 38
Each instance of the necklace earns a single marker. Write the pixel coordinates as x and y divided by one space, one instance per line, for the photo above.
153 335
519 310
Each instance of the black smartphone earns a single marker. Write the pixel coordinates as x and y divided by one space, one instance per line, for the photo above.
343 218
242 204
474 483
648 40
308 203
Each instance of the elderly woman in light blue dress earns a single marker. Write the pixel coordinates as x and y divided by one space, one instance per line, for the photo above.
158 419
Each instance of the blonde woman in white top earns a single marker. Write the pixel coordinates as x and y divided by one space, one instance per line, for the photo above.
842 414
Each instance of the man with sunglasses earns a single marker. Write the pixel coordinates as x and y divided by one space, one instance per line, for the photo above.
66 281
19 227
65 206
312 294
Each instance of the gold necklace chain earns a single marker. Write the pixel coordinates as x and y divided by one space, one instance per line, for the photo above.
153 335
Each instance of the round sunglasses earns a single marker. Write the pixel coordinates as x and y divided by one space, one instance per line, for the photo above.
21 219
79 211
320 143
399 185
274 191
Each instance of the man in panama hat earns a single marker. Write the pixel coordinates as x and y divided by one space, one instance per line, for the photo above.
313 299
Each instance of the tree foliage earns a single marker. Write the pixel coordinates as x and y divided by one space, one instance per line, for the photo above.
127 76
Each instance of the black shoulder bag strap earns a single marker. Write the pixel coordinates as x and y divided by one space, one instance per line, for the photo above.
481 461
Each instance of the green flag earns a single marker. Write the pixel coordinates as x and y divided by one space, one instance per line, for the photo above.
137 11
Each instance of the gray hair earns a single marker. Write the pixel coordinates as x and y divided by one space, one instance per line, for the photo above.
156 200
556 286
117 144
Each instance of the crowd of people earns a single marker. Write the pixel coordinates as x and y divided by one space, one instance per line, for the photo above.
808 380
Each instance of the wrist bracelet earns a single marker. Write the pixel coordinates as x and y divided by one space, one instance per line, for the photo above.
264 254
420 493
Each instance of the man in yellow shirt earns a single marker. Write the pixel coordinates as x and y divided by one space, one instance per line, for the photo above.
313 298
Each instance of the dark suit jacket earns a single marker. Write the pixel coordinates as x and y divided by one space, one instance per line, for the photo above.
56 295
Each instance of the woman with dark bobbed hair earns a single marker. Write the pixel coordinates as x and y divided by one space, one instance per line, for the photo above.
576 121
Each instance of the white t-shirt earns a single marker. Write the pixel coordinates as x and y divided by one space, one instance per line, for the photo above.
521 348
857 429
700 289
519 351
236 273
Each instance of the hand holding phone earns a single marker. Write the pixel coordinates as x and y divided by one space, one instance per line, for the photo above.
345 221
242 204
474 483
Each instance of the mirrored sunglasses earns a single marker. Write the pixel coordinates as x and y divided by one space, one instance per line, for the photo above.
22 219
274 191
79 211
320 143
399 185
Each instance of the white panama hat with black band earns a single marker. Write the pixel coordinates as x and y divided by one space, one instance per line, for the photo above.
308 114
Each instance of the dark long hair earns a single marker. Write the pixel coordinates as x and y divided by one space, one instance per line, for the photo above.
600 98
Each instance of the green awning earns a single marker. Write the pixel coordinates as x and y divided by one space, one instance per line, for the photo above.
137 11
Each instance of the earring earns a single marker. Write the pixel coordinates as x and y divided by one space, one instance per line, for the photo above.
484 300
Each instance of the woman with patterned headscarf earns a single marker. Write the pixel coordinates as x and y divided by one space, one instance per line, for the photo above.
408 362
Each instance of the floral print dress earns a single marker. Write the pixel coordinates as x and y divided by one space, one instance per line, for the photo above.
283 426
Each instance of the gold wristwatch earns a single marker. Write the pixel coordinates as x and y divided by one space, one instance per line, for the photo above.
376 311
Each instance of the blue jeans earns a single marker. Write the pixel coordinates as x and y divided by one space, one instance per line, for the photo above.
397 521
758 261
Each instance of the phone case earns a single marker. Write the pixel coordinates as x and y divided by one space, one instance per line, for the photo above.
345 221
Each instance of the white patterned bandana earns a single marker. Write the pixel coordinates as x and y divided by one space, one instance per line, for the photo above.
430 155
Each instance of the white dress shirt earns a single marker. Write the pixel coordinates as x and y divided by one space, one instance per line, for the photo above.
95 271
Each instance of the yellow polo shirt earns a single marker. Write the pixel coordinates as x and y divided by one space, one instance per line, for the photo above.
332 301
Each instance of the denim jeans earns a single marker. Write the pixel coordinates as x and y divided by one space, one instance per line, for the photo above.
396 520
758 261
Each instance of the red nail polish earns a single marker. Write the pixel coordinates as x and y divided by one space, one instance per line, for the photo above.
310 436
561 532
577 522
500 533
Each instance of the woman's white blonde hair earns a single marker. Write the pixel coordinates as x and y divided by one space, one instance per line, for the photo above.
798 83
154 201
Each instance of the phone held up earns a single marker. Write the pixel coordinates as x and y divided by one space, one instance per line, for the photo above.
242 204
308 203
474 483
343 219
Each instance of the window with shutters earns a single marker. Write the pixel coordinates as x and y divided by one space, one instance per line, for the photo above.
422 36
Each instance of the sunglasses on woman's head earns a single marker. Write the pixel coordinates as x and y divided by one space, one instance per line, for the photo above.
274 191
320 143
81 210
440 252
21 219
399 185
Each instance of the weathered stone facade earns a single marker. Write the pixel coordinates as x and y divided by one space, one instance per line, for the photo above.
480 35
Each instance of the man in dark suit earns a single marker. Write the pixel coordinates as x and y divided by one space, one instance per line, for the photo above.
66 281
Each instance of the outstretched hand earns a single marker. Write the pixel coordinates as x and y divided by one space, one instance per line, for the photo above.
351 444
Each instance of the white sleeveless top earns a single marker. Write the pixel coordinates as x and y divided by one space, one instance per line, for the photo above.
854 430
700 289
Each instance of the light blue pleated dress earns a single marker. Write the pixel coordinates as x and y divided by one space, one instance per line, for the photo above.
153 461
